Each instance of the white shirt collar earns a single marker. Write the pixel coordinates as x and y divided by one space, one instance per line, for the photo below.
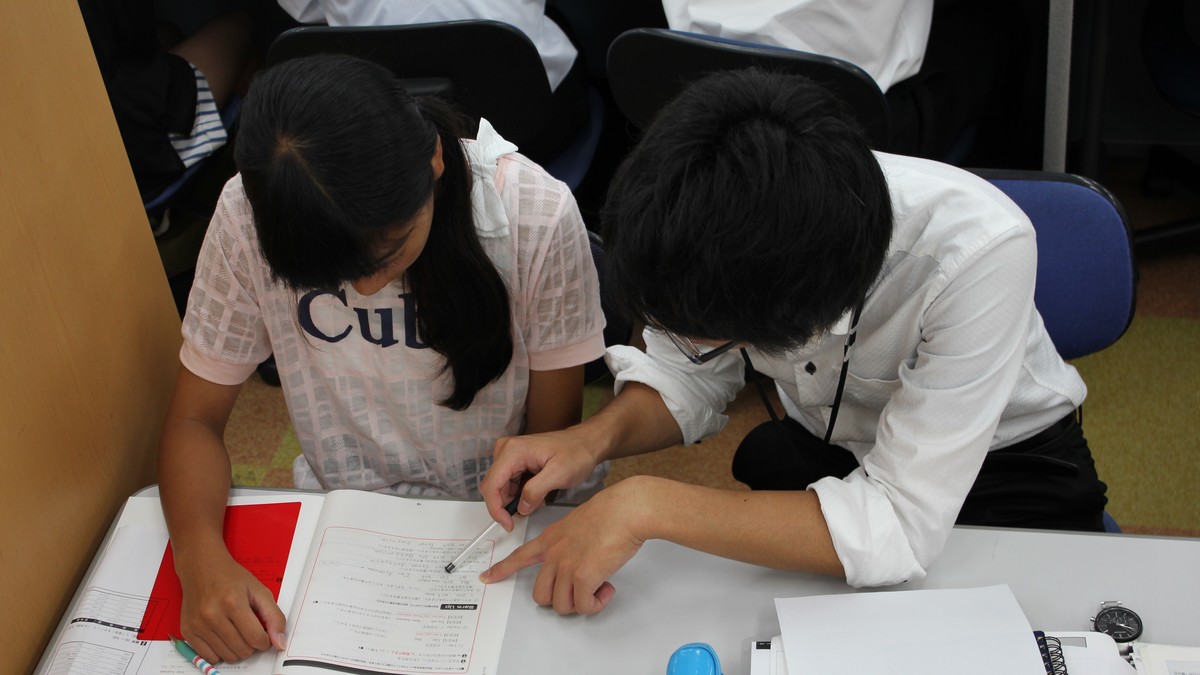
842 325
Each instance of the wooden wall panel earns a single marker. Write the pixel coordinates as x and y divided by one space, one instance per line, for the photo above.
89 336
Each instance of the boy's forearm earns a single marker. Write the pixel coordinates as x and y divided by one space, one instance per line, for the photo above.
635 422
777 529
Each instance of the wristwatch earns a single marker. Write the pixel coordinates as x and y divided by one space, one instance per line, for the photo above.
1117 621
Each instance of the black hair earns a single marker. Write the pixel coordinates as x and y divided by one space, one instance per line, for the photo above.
334 154
752 209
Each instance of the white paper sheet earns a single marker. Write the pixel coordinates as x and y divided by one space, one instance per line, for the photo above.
1157 659
928 632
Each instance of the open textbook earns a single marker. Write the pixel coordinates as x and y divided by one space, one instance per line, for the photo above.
359 576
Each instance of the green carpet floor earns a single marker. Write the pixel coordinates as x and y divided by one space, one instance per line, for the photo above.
1139 421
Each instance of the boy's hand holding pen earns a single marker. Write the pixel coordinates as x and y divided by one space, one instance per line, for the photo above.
511 508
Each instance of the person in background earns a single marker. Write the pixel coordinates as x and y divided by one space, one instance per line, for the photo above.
957 74
564 71
890 299
424 294
166 94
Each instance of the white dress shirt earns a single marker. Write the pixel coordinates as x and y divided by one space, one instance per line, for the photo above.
886 39
556 50
951 360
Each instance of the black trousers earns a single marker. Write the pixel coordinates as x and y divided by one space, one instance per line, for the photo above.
1048 481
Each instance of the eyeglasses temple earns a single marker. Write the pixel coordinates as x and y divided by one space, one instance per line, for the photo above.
758 384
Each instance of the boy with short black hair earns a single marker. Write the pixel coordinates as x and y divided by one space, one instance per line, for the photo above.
891 301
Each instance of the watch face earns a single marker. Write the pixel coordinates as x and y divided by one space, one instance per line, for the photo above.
1122 625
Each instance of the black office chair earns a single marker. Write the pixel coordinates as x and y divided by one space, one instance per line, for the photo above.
487 68
649 66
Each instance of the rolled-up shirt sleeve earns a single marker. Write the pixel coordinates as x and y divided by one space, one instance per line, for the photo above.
696 395
890 518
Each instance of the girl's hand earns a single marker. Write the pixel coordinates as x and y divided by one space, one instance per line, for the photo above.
227 613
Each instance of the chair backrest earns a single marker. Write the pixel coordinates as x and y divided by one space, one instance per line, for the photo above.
487 68
1086 271
649 66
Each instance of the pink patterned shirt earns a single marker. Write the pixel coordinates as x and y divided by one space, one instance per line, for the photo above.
360 387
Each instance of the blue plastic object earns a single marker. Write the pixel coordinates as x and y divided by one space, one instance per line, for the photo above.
694 658
1110 524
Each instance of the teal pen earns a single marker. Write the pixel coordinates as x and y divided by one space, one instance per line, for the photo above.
191 655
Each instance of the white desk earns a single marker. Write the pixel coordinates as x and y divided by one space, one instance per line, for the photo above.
668 596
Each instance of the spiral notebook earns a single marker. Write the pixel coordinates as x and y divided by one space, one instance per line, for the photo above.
1052 653
1074 652
766 656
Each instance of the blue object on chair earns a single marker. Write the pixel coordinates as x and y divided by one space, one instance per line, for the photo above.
649 66
1110 524
1086 273
487 68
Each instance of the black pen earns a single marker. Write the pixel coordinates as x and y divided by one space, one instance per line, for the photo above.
511 508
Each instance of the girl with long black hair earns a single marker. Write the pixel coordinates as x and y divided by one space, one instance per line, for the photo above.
424 294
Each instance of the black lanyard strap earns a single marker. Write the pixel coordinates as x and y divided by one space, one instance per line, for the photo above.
841 386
